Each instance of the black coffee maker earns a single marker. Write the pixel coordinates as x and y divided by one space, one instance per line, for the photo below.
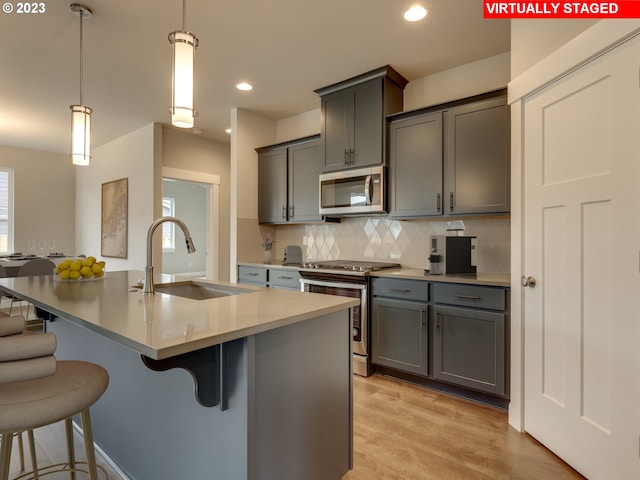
452 255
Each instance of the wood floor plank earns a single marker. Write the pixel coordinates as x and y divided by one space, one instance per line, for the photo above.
408 432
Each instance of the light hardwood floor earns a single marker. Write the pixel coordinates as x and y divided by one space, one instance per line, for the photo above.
405 432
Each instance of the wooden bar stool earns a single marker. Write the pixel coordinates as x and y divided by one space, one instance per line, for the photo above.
37 390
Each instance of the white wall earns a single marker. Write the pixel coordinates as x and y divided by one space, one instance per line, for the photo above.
134 156
186 151
298 126
473 78
191 208
44 198
533 40
249 131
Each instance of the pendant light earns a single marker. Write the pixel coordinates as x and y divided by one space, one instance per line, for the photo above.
184 50
81 114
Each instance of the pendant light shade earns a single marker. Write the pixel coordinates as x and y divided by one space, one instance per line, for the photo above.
80 135
81 114
184 50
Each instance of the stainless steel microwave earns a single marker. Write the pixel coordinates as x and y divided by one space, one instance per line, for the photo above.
352 192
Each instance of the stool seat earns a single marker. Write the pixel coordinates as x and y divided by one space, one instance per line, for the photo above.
34 403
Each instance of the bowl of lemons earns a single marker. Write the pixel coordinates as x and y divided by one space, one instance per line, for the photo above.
79 269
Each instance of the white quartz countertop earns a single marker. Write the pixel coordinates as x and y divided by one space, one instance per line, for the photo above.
161 325
489 279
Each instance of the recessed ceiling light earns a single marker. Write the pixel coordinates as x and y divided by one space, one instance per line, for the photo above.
245 87
415 13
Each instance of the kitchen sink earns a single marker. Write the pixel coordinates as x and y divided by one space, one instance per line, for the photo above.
199 290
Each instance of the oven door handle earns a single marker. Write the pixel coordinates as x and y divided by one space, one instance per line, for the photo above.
353 286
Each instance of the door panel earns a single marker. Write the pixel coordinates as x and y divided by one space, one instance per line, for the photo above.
581 239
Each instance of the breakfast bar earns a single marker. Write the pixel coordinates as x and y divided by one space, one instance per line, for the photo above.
251 383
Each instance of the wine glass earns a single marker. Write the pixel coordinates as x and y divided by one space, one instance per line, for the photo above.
52 246
32 246
42 244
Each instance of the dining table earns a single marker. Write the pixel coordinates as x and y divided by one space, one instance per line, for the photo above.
12 263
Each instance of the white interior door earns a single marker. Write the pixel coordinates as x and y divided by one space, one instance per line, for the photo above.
581 242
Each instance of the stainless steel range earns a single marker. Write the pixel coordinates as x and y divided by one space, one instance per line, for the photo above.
347 278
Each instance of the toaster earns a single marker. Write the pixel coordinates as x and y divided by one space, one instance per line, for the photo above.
292 255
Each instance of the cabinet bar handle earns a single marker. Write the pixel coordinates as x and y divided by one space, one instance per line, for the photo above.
291 211
346 156
468 297
439 202
451 201
400 290
252 274
351 156
284 212
286 278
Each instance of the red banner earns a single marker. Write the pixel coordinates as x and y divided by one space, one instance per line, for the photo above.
561 9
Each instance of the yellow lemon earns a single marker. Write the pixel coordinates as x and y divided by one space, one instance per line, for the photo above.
100 274
102 263
86 272
76 266
87 263
95 268
92 259
74 274
64 274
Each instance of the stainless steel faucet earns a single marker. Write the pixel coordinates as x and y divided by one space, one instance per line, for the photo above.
148 286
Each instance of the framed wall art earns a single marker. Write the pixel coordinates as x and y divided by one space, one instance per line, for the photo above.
114 231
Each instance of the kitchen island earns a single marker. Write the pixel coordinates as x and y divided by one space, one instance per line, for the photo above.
276 364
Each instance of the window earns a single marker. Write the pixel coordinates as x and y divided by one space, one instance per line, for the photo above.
168 228
6 210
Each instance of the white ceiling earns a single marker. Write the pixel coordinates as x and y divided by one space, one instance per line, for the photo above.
286 48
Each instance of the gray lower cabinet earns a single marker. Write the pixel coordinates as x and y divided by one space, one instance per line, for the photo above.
252 275
469 344
400 325
449 332
286 278
288 187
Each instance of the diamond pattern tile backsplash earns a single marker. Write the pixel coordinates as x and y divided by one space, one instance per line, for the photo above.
405 242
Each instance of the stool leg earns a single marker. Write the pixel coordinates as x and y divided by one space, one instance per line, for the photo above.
32 451
88 444
71 452
20 450
5 455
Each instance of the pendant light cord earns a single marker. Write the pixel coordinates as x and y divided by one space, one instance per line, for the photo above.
184 15
81 58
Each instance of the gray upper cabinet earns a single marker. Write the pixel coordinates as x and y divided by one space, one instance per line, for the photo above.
477 158
415 172
451 159
288 188
304 190
352 123
272 186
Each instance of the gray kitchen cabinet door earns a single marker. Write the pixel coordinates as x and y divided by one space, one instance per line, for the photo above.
368 122
352 127
477 158
272 188
304 190
469 348
415 151
399 335
336 130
